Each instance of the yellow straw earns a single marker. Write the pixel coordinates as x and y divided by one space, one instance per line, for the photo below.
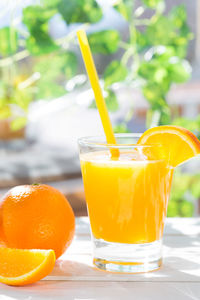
100 102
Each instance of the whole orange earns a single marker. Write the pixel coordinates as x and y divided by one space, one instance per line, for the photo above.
36 216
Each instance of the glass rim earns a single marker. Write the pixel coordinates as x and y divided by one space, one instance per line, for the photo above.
90 141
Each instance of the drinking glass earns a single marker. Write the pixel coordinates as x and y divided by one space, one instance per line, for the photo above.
127 199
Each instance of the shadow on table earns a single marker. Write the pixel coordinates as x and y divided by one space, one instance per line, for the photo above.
177 269
174 269
184 243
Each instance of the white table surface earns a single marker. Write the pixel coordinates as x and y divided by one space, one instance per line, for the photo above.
75 278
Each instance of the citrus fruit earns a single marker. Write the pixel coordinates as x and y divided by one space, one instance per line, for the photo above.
20 267
2 237
36 217
178 144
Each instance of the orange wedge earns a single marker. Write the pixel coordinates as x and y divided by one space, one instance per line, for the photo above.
178 144
20 267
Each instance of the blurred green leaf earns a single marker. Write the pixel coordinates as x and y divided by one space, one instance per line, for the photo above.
50 4
43 44
142 41
121 128
160 31
154 94
70 64
18 123
114 72
153 71
179 206
165 117
12 95
180 185
190 124
124 7
49 89
160 70
158 115
21 98
80 11
9 41
175 29
172 210
36 15
55 64
104 42
5 112
162 54
178 15
186 209
36 19
62 64
60 68
179 70
3 92
181 50
195 187
111 101
186 33
152 3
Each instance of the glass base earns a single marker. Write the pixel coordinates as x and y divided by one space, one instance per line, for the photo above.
127 258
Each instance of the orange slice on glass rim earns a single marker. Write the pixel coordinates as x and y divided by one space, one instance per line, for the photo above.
177 144
19 267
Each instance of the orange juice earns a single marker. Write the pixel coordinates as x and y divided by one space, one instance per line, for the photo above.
127 197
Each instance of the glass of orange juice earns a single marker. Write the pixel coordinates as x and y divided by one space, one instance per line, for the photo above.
127 200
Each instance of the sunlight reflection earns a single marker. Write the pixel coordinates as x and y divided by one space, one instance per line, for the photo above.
155 275
195 243
195 272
